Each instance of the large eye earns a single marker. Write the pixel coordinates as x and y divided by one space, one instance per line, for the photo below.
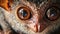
24 13
52 13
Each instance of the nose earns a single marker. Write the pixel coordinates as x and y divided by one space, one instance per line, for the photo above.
38 24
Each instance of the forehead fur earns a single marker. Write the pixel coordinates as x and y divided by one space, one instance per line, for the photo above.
36 1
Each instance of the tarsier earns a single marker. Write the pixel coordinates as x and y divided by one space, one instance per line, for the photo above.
29 16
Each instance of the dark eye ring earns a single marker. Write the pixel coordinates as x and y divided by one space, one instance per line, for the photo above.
52 13
24 13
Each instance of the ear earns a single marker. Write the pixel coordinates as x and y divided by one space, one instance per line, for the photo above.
5 4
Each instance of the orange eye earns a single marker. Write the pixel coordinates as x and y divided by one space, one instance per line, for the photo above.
52 13
24 13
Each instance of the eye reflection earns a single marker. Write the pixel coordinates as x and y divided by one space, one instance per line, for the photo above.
23 13
52 13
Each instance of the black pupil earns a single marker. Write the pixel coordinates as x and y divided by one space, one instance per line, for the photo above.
53 12
23 12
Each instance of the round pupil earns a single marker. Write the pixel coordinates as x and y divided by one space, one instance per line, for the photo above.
23 12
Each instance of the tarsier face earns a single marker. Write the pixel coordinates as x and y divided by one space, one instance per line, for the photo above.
30 16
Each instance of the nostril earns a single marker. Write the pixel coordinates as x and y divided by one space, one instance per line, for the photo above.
43 26
36 26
